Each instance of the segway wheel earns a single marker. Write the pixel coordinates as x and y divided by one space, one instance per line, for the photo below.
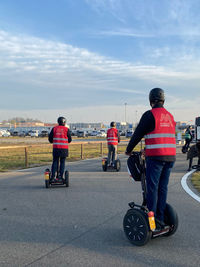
136 227
117 165
47 184
67 178
104 165
171 219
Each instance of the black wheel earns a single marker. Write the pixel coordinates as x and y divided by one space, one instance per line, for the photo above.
104 165
136 227
196 167
47 184
67 178
117 165
171 219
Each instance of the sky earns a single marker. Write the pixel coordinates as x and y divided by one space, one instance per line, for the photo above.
97 60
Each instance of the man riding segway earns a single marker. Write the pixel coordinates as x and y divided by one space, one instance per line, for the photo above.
60 136
113 138
157 126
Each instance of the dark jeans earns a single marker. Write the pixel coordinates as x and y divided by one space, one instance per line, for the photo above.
157 178
58 162
112 154
187 143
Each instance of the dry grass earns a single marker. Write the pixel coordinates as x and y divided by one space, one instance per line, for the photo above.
196 180
13 155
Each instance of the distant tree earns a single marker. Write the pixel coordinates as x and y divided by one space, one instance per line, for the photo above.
20 120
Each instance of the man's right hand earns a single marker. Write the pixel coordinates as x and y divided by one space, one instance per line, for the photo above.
128 153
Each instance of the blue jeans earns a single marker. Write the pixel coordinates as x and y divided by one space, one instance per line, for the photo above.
55 165
157 178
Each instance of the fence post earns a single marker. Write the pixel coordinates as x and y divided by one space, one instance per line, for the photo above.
81 151
101 149
26 156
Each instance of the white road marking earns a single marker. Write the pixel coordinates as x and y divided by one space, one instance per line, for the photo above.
186 188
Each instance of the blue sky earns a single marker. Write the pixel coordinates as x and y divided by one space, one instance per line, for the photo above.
85 59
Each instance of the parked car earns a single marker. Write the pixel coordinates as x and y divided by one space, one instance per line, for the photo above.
5 133
101 134
44 133
94 133
15 133
82 133
129 134
34 133
22 133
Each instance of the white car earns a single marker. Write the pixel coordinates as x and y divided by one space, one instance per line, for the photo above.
34 133
101 134
5 133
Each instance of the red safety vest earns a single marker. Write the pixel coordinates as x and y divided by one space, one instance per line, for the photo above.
60 139
112 136
161 141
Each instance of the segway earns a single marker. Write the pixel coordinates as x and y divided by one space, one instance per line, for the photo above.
57 181
115 166
137 223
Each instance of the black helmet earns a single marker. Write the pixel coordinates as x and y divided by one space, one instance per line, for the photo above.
156 95
61 121
113 124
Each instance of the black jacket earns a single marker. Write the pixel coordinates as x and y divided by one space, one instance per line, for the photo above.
146 125
58 151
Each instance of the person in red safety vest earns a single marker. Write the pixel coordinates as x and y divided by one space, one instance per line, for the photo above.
157 126
60 137
113 138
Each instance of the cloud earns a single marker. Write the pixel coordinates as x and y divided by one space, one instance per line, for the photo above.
25 54
36 74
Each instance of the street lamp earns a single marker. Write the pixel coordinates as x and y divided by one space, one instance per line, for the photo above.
136 117
125 104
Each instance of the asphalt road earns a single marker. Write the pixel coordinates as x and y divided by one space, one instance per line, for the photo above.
82 225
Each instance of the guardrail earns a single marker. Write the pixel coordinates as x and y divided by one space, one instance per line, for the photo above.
18 157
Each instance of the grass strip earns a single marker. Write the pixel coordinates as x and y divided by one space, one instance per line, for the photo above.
196 180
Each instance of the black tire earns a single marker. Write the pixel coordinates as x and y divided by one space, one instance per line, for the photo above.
67 178
171 219
117 165
136 227
105 166
196 167
47 184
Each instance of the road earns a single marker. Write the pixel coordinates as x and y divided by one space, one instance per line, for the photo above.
82 225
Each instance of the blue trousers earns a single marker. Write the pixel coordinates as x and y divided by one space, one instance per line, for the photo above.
55 165
157 178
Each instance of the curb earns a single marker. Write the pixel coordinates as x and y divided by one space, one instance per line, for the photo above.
186 188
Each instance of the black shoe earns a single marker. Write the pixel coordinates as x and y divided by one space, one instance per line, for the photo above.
160 225
189 169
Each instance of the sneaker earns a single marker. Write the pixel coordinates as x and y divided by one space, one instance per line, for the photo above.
52 178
